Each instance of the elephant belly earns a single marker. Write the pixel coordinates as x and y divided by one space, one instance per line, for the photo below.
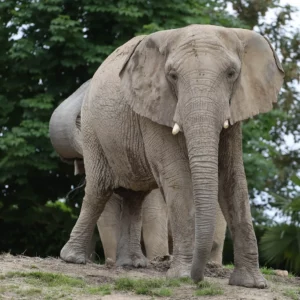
121 140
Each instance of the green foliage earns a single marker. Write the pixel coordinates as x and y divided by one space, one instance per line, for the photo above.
281 243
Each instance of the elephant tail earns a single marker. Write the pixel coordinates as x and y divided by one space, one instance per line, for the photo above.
65 129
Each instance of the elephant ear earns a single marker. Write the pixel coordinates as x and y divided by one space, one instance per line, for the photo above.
260 80
143 80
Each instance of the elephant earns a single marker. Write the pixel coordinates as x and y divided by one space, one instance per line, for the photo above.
156 232
65 135
164 111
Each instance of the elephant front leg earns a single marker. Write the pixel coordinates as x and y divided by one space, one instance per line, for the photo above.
129 251
178 194
236 208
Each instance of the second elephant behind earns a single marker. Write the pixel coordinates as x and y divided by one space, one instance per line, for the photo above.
156 232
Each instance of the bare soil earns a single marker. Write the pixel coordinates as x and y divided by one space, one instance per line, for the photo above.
14 287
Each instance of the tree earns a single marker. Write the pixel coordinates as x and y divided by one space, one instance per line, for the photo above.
280 244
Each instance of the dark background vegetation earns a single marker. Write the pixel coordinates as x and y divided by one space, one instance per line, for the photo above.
48 48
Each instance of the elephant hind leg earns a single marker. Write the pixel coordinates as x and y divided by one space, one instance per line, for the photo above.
219 237
76 249
109 226
97 193
155 225
129 251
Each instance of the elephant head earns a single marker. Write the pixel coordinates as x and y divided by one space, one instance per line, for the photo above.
64 129
196 80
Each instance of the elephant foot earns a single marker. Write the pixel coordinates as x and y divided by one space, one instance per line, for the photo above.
248 278
109 263
73 255
136 261
140 262
181 271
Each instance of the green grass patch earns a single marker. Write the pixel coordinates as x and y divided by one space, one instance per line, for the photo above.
186 280
102 290
206 288
292 293
29 292
164 292
230 266
150 287
49 279
267 271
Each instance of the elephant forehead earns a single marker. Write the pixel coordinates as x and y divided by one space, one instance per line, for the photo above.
215 37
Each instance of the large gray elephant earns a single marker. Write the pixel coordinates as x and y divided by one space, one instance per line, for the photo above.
196 80
66 138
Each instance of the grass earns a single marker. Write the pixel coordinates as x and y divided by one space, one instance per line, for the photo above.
206 288
49 279
28 292
186 280
292 293
63 285
164 292
267 271
229 266
55 285
150 287
264 270
102 290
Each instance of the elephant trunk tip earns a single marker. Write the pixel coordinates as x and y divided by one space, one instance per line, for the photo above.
197 273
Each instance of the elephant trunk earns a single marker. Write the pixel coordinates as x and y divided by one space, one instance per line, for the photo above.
64 126
202 128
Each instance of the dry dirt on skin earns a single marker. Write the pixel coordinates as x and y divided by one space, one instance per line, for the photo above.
96 275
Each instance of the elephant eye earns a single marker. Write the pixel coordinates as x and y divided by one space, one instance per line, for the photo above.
173 76
231 73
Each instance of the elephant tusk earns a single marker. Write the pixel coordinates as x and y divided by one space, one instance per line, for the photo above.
175 129
226 124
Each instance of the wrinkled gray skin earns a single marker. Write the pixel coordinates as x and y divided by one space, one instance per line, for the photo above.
197 76
67 141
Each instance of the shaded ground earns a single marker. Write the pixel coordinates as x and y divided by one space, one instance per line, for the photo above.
24 277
